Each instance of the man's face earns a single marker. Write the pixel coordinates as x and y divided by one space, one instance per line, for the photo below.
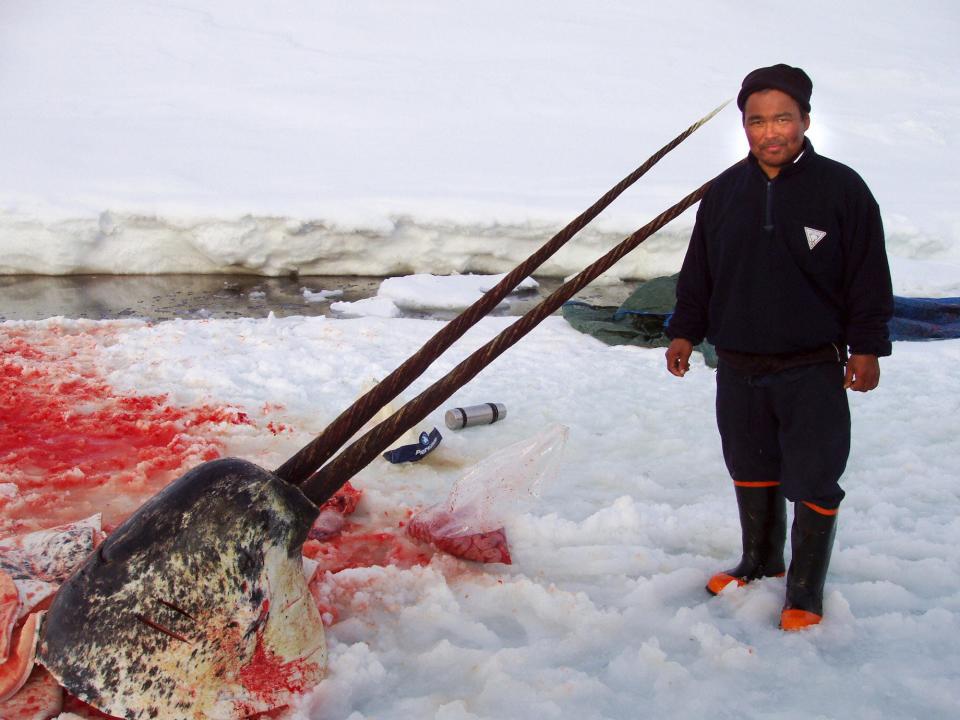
775 126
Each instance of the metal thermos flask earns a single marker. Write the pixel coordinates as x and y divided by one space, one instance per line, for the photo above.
485 414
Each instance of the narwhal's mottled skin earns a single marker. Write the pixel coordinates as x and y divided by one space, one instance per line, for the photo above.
195 607
50 555
39 561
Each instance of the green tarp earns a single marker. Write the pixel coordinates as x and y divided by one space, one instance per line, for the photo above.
640 320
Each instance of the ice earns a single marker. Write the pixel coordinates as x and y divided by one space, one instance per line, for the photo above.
353 139
312 296
424 293
603 609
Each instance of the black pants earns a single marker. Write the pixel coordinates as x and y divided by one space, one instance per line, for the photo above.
792 426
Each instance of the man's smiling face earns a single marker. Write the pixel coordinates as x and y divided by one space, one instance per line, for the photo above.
775 127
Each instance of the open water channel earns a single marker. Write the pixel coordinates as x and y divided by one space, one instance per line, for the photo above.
166 297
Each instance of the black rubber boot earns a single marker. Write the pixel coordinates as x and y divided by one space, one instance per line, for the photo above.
812 542
763 525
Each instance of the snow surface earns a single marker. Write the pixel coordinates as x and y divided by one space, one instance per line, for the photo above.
603 613
427 293
310 296
340 138
604 610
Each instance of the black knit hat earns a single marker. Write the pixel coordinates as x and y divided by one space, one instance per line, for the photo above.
793 81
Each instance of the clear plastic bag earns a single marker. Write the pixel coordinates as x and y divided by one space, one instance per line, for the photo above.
470 522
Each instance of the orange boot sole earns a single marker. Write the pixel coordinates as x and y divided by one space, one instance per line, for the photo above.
719 581
792 620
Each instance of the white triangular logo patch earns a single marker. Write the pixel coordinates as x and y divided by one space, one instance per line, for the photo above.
814 236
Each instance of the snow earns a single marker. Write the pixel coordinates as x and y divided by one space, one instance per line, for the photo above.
333 138
427 293
439 138
603 610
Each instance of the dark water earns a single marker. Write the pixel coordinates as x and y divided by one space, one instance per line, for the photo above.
165 297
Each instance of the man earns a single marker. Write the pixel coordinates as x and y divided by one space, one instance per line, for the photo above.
786 270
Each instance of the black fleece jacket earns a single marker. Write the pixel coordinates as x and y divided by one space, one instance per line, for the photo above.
786 265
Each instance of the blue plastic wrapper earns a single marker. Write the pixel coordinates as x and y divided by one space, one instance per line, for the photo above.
418 451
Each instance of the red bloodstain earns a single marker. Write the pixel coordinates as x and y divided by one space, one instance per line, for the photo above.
269 678
67 437
401 543
277 428
345 500
79 707
357 547
68 440
329 614
275 713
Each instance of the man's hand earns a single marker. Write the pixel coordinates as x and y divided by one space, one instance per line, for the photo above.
678 356
863 373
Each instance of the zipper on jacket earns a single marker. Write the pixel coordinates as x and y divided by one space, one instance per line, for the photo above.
768 216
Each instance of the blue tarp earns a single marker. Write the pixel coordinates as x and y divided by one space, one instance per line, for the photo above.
925 318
